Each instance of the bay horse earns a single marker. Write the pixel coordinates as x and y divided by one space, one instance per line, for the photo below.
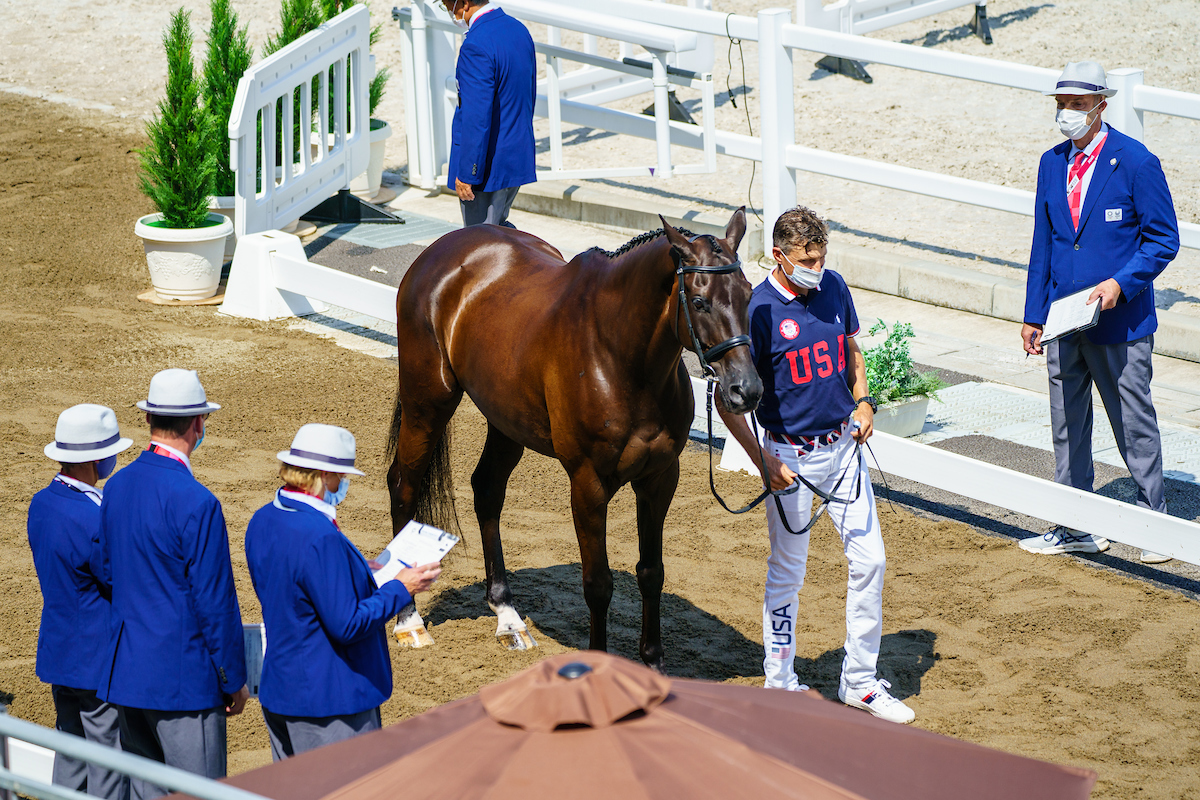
579 361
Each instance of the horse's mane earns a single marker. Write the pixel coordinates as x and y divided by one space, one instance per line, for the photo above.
649 236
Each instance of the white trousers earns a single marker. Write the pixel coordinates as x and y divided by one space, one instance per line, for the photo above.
858 526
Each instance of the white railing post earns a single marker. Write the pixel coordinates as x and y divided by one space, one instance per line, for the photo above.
1121 113
554 111
662 111
423 125
777 118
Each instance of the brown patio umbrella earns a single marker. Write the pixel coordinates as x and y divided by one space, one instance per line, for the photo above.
591 725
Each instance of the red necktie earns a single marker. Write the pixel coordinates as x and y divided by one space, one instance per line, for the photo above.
1076 179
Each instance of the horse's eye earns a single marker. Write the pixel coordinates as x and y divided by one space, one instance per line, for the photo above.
699 304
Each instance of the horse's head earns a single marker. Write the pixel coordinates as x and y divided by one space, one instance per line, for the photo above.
713 318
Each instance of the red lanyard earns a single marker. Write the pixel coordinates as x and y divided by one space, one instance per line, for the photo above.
159 450
1088 161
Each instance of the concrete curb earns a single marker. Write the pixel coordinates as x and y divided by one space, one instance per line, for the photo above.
567 200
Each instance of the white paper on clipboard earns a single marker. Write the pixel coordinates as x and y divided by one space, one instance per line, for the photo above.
414 545
1069 314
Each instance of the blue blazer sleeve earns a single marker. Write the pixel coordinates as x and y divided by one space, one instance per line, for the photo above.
327 579
477 79
1157 226
214 596
1037 280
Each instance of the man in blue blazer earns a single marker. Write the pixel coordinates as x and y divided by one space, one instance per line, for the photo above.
491 147
63 526
1103 218
175 661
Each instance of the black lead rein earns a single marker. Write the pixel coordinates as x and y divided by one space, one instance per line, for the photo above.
712 354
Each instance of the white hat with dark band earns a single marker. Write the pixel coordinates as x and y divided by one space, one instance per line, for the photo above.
86 433
1082 77
177 393
322 447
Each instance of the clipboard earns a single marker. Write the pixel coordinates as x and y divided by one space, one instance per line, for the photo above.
1070 314
414 544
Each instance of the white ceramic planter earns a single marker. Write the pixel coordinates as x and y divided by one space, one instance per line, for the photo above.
367 185
225 207
185 263
903 417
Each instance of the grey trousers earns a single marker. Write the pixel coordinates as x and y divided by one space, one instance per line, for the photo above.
190 740
291 736
1121 373
81 713
489 207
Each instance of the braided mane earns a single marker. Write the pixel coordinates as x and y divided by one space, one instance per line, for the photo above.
649 236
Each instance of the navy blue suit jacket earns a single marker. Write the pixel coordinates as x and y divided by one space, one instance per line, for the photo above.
491 144
327 650
1127 231
63 526
176 639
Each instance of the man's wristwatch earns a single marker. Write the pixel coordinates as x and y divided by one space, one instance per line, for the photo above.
869 401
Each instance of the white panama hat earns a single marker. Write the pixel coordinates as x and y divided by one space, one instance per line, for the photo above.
323 447
84 433
177 393
1082 77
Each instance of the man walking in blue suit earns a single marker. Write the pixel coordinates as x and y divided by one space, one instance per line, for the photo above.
175 663
64 523
491 148
1103 218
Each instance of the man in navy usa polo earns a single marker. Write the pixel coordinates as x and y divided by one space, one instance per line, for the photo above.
175 662
64 523
491 147
802 329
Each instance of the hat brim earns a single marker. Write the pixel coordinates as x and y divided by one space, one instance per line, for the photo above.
1078 91
311 463
56 453
173 412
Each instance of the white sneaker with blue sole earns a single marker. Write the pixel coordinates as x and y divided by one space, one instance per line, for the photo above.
1064 540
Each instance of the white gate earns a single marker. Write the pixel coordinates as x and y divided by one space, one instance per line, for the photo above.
864 16
331 63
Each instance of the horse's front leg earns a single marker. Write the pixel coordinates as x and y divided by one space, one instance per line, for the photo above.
654 494
589 507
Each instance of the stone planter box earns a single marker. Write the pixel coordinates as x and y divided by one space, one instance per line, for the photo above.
902 417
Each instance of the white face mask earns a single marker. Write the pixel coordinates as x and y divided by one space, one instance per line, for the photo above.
462 23
804 278
1073 124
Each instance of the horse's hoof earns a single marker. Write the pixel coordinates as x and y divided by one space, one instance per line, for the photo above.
413 637
515 638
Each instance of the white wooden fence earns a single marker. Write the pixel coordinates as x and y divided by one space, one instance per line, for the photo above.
776 148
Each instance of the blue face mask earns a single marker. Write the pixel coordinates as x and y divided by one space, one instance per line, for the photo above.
105 466
337 497
200 441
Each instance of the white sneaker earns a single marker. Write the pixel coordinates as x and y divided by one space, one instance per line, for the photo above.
1064 540
1150 557
877 700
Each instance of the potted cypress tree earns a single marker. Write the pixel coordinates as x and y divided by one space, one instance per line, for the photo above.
902 393
184 241
227 58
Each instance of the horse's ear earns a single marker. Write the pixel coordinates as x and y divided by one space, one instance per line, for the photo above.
678 241
736 228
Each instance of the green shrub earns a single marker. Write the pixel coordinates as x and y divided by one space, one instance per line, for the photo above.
891 374
228 57
179 165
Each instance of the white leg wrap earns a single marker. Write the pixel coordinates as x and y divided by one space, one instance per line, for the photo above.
410 629
511 629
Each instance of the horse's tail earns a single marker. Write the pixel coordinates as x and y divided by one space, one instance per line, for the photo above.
434 501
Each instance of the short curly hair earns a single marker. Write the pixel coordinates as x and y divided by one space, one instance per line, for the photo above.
799 227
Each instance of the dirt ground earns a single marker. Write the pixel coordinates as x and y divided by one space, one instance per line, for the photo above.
1047 657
